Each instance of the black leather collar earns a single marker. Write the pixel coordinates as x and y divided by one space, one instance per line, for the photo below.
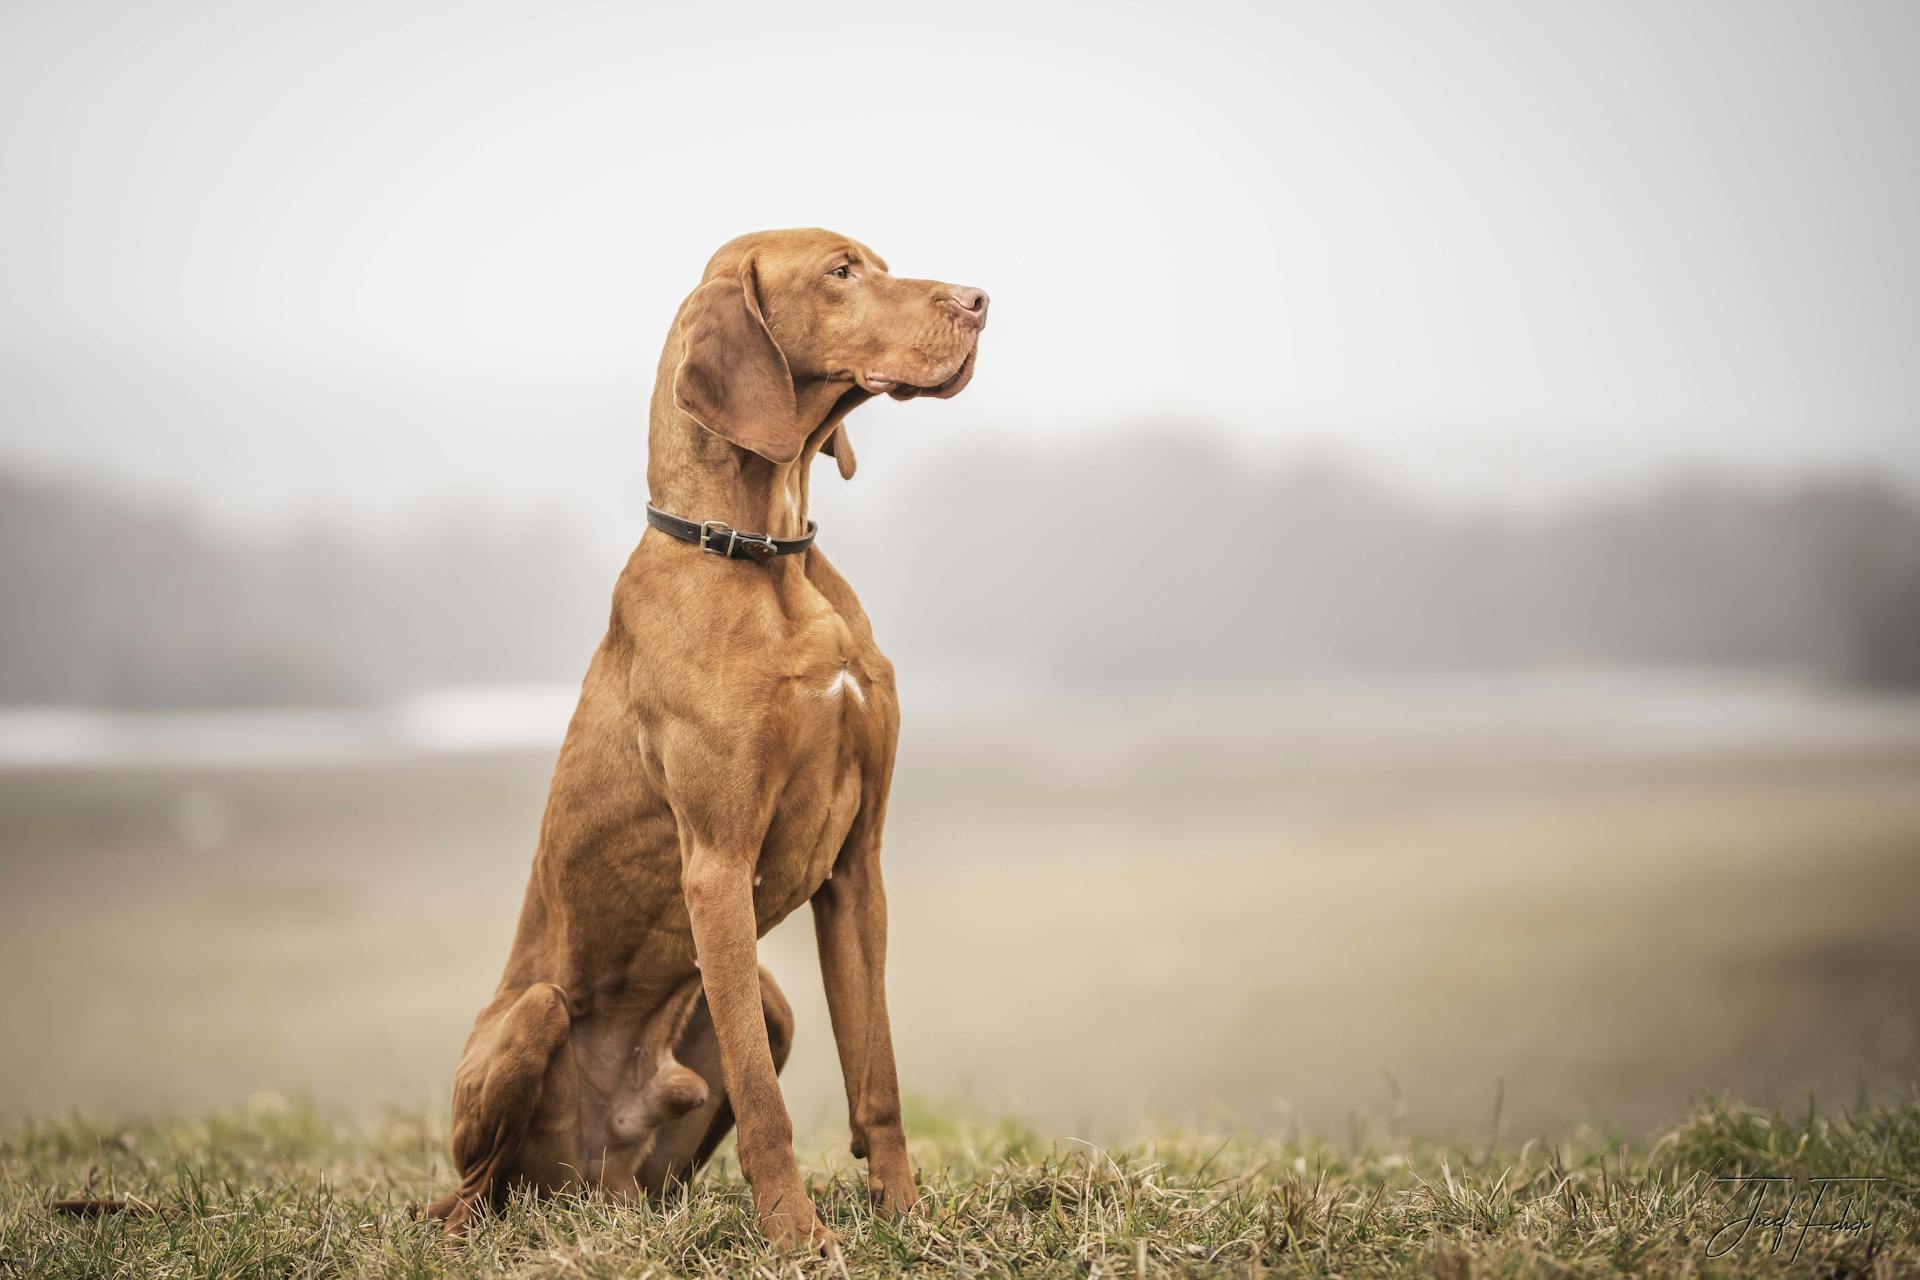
718 538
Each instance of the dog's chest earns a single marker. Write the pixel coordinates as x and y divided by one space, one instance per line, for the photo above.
841 717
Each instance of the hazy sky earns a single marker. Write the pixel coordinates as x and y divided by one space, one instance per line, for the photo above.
358 256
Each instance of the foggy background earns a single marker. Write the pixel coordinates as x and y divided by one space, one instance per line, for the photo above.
1420 602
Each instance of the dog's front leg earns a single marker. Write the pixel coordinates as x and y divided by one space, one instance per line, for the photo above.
850 921
718 884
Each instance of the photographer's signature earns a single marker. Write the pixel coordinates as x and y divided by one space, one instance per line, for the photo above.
1791 1210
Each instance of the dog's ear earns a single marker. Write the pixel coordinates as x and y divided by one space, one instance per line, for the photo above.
840 449
734 379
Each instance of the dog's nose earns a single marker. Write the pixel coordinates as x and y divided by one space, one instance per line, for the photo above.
972 303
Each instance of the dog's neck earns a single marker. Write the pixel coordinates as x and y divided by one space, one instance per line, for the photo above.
696 475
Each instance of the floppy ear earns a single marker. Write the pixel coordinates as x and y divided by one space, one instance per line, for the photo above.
734 379
840 449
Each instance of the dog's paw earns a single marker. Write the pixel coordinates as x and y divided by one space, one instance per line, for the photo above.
801 1232
893 1189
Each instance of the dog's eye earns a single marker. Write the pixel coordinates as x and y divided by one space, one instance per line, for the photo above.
841 272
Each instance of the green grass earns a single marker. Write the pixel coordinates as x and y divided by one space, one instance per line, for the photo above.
275 1191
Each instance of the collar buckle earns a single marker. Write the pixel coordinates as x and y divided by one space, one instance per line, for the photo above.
717 537
713 531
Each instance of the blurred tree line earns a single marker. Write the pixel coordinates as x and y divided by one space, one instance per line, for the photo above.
1156 560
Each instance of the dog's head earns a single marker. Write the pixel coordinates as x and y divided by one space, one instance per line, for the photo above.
777 309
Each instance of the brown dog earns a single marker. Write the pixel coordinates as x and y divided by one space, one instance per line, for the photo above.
729 760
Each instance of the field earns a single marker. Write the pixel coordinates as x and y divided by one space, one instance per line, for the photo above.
1446 948
267 1191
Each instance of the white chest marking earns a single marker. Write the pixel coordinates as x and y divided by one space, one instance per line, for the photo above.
842 683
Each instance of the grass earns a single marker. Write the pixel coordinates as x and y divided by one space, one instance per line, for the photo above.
279 1191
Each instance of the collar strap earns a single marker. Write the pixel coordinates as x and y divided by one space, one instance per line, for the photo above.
716 537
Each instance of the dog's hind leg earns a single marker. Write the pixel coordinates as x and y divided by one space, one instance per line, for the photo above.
496 1094
685 1144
